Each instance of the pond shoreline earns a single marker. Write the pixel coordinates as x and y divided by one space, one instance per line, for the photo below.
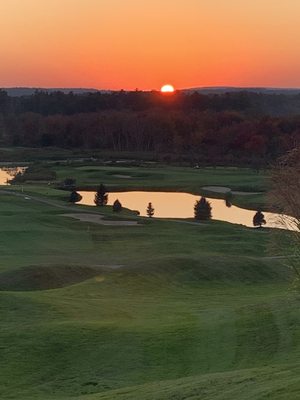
171 189
174 205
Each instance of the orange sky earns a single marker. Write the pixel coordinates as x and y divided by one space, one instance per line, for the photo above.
144 43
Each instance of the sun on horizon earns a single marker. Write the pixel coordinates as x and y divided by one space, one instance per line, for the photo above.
167 89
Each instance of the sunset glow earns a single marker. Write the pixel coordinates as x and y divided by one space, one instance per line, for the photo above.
167 89
139 44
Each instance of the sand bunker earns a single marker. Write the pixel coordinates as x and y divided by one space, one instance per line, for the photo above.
123 176
99 219
217 189
224 190
239 193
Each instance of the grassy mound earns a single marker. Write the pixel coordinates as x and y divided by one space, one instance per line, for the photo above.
262 383
44 278
124 337
213 268
197 311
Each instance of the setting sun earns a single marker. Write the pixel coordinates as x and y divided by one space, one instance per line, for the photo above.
167 89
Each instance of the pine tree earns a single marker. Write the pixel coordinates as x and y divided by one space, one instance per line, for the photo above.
259 219
117 206
101 197
75 197
150 210
202 210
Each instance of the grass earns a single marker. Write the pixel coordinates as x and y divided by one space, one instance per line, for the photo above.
166 177
162 178
164 310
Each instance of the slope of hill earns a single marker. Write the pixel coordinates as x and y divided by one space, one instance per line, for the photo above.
192 312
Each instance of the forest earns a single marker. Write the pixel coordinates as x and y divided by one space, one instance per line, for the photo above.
238 128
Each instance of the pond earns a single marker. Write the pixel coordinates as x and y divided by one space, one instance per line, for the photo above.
181 205
8 173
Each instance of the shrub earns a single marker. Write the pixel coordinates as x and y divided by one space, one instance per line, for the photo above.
75 197
259 219
117 206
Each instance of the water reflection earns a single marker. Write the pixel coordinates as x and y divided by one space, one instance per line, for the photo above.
8 173
181 205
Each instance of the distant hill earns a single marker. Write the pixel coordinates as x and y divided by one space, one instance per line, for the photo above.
229 89
24 91
27 91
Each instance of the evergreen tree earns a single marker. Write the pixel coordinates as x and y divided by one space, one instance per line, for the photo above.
150 210
117 206
75 197
202 210
259 219
101 197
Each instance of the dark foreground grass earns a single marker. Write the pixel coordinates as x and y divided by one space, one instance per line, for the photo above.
164 310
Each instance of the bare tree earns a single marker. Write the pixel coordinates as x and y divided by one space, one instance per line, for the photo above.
285 199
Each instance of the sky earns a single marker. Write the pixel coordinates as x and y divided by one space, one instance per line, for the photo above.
143 44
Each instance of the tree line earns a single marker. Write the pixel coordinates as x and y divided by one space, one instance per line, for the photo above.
232 128
58 102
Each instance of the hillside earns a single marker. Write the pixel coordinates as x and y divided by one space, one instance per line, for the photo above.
160 310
